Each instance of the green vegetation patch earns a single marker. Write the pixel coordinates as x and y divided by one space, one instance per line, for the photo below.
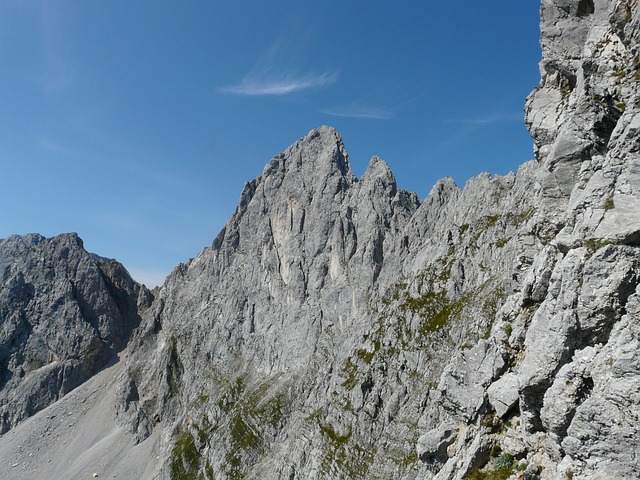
489 474
595 244
500 467
367 355
487 221
343 458
230 397
329 432
608 204
185 458
493 300
508 328
244 438
410 459
413 321
438 311
502 242
349 373
619 72
251 413
521 217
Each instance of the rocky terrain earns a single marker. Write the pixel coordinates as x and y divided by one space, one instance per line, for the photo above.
64 314
342 328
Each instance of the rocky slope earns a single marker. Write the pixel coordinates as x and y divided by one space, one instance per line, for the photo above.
64 314
341 328
308 339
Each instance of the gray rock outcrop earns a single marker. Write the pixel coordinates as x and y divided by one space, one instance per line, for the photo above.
63 315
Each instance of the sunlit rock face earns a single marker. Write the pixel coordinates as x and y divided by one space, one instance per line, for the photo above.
341 328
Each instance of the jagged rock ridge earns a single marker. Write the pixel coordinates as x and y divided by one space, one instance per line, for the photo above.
340 328
321 283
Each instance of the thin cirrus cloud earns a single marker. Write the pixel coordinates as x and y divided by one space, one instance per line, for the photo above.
263 84
368 107
363 113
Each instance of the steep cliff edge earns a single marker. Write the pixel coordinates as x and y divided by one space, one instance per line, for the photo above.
576 398
340 328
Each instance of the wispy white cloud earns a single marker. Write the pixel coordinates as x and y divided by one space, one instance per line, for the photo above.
265 84
383 103
51 147
360 112
277 72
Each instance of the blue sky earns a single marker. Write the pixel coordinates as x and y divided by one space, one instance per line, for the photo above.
136 124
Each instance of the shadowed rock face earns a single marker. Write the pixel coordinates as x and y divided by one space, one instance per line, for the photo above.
63 315
340 328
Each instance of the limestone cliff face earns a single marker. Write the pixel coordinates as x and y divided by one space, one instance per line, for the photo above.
309 338
584 118
63 313
340 328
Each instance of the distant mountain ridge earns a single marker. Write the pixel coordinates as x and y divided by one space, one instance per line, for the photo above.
341 328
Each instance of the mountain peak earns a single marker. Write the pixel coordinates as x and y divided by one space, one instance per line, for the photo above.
311 162
378 170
